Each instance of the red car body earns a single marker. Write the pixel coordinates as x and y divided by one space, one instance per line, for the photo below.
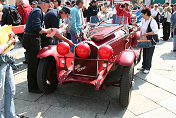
90 70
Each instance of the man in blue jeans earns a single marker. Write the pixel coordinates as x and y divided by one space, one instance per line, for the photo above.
75 23
7 84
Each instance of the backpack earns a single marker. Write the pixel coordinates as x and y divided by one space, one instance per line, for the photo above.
13 17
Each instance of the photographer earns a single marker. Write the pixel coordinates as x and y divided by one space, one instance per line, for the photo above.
122 10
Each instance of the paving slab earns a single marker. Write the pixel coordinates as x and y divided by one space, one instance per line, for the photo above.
158 113
23 94
140 104
73 89
21 79
116 111
150 91
125 114
88 106
169 104
30 109
56 112
54 99
78 107
166 74
108 94
157 80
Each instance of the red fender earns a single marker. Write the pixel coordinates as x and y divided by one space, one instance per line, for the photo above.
126 58
135 38
52 51
48 51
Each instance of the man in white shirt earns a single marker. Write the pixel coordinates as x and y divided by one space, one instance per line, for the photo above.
167 22
155 13
160 9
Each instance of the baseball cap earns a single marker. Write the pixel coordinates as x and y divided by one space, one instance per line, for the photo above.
66 10
93 1
34 2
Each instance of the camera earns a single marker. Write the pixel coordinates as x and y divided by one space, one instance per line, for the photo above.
123 6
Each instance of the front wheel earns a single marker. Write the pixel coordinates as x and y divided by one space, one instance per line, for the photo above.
126 85
47 75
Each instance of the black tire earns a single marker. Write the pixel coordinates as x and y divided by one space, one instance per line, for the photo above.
126 85
140 55
137 60
47 75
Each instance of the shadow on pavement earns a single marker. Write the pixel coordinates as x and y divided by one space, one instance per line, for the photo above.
73 99
140 75
20 65
169 56
161 42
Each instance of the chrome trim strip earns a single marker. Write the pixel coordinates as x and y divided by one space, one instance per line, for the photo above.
84 75
110 42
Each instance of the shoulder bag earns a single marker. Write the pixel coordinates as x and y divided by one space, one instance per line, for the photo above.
153 38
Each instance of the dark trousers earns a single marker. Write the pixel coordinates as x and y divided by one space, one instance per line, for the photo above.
158 24
166 31
31 44
147 57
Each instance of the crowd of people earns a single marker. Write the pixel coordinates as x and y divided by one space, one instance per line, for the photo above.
42 17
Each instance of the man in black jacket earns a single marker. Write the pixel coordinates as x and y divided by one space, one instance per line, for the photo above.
92 10
30 42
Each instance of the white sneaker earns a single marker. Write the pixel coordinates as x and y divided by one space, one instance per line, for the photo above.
141 69
146 71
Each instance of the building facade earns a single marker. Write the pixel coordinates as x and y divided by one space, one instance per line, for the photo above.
148 2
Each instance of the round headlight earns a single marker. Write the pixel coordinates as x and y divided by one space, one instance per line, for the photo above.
105 52
63 48
83 50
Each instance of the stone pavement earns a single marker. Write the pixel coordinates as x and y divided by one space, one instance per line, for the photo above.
153 96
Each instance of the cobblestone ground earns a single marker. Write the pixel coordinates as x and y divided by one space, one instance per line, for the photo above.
153 96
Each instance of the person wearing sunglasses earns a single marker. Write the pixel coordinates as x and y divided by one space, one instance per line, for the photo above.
155 13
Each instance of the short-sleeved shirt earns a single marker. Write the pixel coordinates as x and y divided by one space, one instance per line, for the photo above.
34 21
153 25
154 12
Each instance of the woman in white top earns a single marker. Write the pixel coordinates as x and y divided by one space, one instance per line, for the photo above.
148 23
167 23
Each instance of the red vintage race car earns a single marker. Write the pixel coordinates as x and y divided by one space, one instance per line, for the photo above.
109 47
